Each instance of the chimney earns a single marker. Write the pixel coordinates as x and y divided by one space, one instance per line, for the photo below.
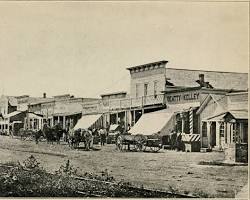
201 79
44 95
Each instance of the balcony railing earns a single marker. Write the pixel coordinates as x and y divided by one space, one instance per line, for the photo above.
121 104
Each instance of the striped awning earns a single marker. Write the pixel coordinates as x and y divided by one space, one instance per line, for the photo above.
191 137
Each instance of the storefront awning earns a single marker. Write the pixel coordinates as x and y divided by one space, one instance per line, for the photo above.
151 123
12 114
113 127
191 137
34 116
86 121
160 122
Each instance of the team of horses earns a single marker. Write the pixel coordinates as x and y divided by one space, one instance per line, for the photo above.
56 133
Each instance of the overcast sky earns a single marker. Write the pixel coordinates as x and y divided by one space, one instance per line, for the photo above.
83 48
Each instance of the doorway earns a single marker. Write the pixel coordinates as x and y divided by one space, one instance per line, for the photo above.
213 134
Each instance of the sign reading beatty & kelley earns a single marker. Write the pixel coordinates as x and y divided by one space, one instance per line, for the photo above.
183 97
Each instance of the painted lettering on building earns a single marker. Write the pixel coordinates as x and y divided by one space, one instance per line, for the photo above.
183 97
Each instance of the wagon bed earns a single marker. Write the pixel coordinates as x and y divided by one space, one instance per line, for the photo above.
138 142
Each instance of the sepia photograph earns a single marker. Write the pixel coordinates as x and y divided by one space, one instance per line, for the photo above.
124 99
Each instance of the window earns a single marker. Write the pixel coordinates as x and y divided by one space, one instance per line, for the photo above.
155 88
222 129
145 89
235 135
204 129
137 90
178 123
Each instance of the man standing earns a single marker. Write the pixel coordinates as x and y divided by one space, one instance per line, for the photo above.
103 136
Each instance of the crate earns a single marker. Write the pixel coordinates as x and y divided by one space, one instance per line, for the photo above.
192 146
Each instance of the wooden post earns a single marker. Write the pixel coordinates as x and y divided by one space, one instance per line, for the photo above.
64 122
8 127
209 123
134 117
218 139
126 121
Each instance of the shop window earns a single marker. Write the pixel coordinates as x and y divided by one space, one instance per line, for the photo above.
204 129
222 130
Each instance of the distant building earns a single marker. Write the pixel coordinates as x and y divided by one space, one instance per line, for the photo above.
62 109
31 112
14 110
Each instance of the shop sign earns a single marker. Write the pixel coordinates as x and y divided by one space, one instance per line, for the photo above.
183 97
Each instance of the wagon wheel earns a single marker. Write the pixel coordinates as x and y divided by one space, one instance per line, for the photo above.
140 142
119 143
155 148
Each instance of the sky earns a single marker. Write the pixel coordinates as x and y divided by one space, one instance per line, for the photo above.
84 48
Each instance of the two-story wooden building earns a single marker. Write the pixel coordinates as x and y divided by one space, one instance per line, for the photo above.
154 87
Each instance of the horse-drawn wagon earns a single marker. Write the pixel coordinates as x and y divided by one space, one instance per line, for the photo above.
138 142
84 132
147 133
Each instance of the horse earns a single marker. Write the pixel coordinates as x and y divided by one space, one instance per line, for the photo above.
80 135
53 134
74 138
88 139
37 135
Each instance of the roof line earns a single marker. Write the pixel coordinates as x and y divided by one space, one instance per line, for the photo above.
113 93
236 93
152 63
206 70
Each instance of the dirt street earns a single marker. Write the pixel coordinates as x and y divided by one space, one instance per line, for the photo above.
163 170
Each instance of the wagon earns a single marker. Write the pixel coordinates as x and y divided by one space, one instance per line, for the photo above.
147 132
138 142
113 133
